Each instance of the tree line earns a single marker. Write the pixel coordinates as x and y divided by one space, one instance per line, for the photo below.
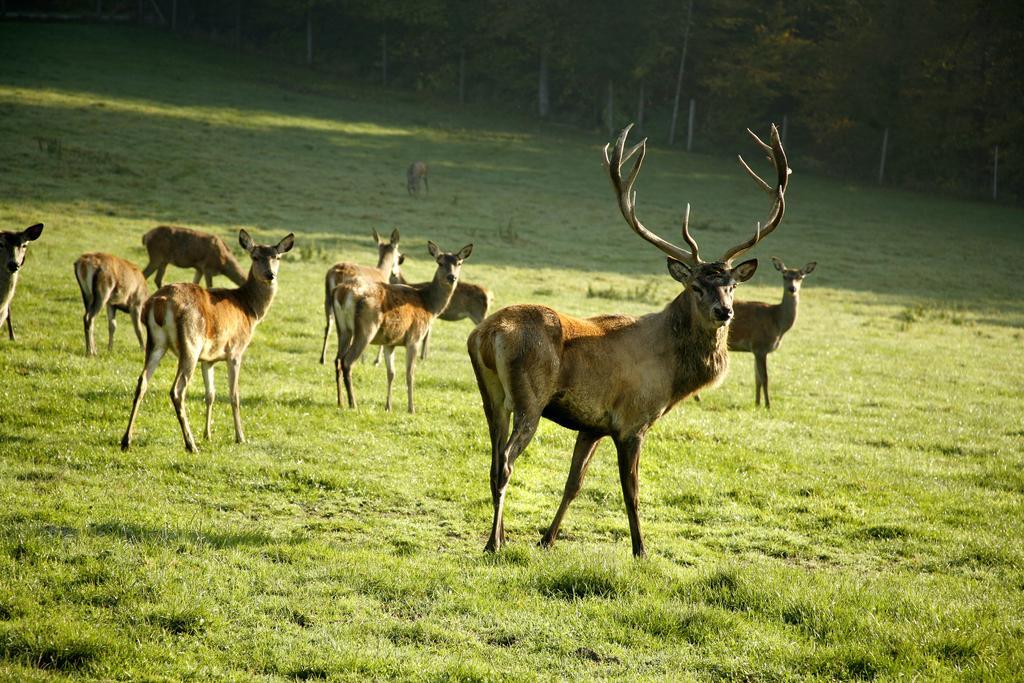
913 93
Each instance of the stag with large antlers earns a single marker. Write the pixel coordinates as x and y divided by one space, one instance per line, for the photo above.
611 375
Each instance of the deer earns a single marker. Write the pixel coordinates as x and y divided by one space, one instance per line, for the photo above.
758 327
612 375
388 269
206 326
391 315
13 250
416 172
188 248
107 281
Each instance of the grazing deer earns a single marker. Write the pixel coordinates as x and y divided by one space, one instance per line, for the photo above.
13 249
416 172
611 375
388 269
204 326
187 248
758 327
107 281
391 315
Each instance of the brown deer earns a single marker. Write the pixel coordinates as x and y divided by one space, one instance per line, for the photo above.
13 249
391 315
416 172
758 327
188 248
611 375
204 326
388 269
107 281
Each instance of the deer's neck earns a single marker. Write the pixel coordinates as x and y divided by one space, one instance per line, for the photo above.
233 270
385 264
700 353
7 282
437 294
257 295
785 312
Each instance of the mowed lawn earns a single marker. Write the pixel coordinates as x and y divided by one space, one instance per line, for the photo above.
869 526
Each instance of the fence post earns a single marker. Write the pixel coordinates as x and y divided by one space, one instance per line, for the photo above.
995 174
689 125
881 163
384 59
309 37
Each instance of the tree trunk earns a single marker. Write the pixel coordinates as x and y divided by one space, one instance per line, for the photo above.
543 98
689 124
384 59
881 163
610 109
679 78
995 173
462 76
309 37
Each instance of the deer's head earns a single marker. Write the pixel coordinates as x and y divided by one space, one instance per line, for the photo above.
709 285
389 249
14 245
449 265
266 259
792 278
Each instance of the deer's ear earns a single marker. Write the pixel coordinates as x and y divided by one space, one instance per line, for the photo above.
376 236
245 240
464 252
33 233
779 265
394 237
401 259
744 271
434 250
286 244
679 271
809 268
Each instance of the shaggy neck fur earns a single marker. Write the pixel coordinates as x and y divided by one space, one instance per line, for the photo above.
785 314
438 294
257 295
701 352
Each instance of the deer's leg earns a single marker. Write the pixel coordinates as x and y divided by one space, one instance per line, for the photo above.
425 343
161 269
426 185
136 314
96 304
234 367
149 269
758 378
209 280
380 354
586 444
10 324
629 461
153 355
493 395
210 396
328 321
389 365
187 360
111 327
410 370
360 339
762 370
524 427
197 277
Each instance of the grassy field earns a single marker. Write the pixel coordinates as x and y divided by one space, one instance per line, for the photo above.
869 526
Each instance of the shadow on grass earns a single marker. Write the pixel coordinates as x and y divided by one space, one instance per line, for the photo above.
138 533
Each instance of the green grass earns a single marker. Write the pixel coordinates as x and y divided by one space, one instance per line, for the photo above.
868 527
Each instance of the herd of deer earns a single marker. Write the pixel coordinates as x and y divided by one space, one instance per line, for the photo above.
607 376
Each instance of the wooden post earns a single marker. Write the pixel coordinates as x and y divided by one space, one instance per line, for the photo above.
785 127
640 110
679 78
384 59
881 163
309 36
995 173
462 76
689 125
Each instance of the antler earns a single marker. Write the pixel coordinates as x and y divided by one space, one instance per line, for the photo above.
627 198
777 156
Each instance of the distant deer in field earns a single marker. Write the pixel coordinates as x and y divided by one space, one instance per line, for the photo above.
107 281
13 248
416 172
391 315
204 326
388 269
758 327
611 375
187 248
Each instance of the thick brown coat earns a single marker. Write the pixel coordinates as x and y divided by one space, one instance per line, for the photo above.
188 248
107 281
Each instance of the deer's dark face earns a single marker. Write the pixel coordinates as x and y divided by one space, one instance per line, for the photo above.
449 265
792 278
712 287
266 259
14 246
389 249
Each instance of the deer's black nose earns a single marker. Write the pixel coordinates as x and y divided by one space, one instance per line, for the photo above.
792 289
451 279
270 277
723 314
